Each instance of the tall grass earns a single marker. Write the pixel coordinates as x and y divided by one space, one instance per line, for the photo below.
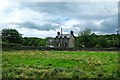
59 64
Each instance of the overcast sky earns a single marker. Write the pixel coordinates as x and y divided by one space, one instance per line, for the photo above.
44 19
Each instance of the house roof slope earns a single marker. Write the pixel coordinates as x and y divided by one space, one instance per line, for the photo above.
64 35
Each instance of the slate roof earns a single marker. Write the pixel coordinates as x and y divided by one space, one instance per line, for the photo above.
63 36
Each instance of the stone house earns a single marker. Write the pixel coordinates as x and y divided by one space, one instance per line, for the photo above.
63 40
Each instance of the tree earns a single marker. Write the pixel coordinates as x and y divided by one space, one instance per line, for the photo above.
93 40
85 32
102 41
118 40
34 41
11 36
84 38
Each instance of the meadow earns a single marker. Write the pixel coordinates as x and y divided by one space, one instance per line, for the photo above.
59 64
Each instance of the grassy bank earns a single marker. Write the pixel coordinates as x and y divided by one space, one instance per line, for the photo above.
59 64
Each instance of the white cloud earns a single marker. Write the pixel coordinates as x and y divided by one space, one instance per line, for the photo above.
45 19
71 22
18 15
4 4
36 33
98 23
28 32
63 0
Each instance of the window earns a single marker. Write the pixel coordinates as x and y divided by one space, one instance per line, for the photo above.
65 45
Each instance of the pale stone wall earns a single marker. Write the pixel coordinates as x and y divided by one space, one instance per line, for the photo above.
71 42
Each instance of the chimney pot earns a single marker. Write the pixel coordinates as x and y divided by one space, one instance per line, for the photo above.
61 31
58 33
71 32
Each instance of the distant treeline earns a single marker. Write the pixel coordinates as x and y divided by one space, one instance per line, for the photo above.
85 39
11 37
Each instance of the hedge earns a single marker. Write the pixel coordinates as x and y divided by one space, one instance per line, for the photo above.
18 47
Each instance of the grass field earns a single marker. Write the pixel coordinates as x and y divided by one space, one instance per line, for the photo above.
59 64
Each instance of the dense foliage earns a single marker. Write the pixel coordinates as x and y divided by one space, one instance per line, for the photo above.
85 39
88 39
34 41
11 36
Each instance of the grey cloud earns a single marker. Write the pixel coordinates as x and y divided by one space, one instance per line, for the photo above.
45 27
108 26
84 10
80 10
61 11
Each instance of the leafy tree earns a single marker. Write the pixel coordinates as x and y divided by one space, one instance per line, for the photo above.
34 41
43 42
102 41
118 40
84 38
26 41
85 32
93 40
11 36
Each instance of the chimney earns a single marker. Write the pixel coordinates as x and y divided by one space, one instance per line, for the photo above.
71 32
58 33
61 31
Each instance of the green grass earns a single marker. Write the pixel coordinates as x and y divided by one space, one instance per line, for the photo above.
59 64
